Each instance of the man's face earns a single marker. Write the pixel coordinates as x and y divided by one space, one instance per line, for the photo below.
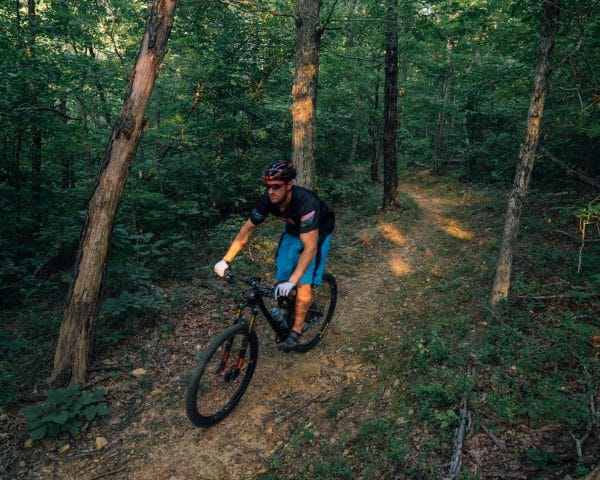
277 191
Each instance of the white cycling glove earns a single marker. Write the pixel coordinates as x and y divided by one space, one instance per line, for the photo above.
283 289
221 267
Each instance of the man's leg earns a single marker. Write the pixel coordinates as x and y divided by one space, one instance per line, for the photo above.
303 299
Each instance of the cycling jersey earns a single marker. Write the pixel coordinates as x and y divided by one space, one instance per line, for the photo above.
305 212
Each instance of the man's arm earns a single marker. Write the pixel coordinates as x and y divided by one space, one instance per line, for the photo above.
310 241
240 241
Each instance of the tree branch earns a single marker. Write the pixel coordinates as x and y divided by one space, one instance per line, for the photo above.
459 437
45 109
571 172
324 25
241 5
568 56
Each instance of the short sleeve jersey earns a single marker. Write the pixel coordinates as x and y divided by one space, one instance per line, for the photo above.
306 212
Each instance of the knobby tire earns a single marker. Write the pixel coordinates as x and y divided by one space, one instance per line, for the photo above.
219 381
319 314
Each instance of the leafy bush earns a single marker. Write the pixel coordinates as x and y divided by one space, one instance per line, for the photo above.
64 411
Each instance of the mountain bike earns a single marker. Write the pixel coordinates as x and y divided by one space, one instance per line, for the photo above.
226 366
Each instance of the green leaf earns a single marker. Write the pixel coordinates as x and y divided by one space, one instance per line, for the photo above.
59 417
53 430
39 433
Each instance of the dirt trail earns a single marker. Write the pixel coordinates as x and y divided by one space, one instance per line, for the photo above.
287 390
288 387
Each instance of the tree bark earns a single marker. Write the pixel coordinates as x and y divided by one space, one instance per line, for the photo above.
390 127
79 322
527 153
304 91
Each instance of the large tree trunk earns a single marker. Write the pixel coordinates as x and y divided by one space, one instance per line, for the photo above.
78 327
527 153
304 91
390 127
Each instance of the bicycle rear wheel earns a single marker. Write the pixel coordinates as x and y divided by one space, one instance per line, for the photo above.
222 376
320 313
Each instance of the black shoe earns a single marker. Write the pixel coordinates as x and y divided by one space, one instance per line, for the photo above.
289 343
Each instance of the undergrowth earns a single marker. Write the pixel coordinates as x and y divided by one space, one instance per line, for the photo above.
528 372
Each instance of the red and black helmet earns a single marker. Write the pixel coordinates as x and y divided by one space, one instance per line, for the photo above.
279 170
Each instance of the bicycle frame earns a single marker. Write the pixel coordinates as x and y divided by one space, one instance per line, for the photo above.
254 302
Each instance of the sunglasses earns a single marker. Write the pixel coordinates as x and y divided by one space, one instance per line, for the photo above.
275 187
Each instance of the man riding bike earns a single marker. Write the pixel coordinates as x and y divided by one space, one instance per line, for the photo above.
303 246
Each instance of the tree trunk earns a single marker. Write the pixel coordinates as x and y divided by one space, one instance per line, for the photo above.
36 165
36 140
65 177
79 322
527 152
390 127
438 146
374 133
100 88
304 91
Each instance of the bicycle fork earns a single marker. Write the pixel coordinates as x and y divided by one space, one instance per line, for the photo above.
234 372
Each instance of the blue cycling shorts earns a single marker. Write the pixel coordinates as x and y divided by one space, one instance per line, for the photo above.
288 254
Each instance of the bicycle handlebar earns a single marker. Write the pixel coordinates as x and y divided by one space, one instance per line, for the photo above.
259 288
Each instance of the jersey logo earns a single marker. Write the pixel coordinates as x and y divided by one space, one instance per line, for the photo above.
308 219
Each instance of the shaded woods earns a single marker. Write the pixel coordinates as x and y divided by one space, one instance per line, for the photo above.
118 184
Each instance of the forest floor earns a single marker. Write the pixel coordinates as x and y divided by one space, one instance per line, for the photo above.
297 405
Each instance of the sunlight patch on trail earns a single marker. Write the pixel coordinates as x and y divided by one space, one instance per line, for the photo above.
453 229
400 267
392 233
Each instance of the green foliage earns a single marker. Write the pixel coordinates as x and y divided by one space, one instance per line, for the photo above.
446 418
65 410
540 457
336 468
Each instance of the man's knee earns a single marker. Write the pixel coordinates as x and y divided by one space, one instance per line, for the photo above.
303 293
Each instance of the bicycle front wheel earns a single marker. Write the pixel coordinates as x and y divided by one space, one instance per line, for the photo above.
222 376
320 313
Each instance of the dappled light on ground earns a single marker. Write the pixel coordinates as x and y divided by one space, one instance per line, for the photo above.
453 229
392 233
400 267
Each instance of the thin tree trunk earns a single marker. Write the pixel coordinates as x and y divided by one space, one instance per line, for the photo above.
527 154
390 128
36 165
36 140
350 32
65 177
101 94
14 178
304 91
78 327
374 133
438 146
160 156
